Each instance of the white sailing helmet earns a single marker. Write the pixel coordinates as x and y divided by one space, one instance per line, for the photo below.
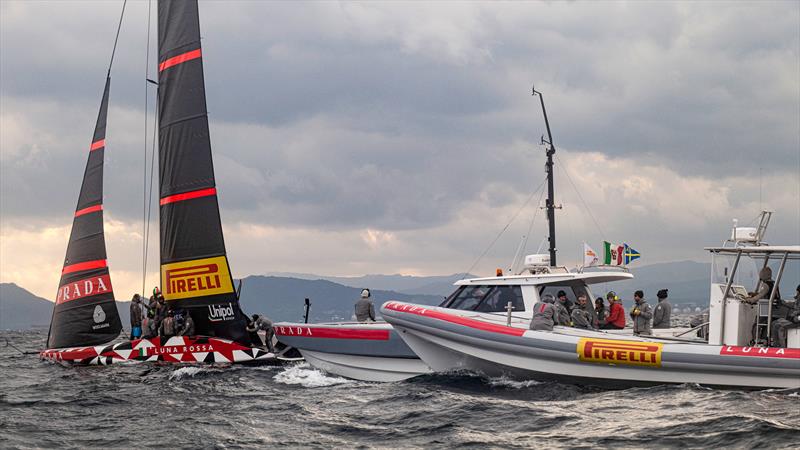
365 293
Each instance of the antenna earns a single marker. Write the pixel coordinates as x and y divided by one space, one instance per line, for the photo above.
550 203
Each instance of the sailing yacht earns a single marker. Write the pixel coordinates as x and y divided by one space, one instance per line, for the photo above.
195 273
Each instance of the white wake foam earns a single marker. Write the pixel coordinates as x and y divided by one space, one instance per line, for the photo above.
184 372
307 376
513 384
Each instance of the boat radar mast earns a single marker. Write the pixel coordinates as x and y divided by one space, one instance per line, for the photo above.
550 205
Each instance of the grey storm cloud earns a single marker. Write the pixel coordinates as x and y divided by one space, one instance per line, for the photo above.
335 115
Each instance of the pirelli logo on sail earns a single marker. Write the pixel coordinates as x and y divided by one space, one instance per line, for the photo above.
609 351
196 278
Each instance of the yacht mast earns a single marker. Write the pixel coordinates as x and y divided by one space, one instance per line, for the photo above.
550 205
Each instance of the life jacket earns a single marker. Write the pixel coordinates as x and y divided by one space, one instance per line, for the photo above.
771 284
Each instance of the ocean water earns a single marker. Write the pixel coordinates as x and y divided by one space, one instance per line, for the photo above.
143 405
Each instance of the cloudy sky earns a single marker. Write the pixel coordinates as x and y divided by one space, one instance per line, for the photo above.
354 138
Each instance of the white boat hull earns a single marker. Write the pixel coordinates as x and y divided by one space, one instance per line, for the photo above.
448 340
366 368
361 351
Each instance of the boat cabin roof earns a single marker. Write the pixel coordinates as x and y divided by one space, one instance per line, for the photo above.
759 251
547 278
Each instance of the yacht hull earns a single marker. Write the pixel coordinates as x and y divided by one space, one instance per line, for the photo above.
449 340
361 351
177 349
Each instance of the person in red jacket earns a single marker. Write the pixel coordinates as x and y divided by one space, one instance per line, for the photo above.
616 313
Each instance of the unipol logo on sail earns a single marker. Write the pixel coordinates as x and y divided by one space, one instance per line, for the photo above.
196 278
83 288
218 313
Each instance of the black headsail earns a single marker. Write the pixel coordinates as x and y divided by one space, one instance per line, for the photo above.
194 269
85 312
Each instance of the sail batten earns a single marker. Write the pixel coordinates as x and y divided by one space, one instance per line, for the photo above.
195 274
85 312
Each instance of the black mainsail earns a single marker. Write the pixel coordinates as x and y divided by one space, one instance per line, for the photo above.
85 312
195 274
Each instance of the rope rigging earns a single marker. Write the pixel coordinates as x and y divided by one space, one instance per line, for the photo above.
539 187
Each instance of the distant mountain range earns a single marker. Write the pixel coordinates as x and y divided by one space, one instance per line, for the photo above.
403 284
281 296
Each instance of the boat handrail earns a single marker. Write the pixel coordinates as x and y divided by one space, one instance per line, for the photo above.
692 329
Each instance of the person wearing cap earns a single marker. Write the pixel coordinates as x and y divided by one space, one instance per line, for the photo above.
616 313
365 310
564 301
545 314
662 313
580 315
562 310
641 314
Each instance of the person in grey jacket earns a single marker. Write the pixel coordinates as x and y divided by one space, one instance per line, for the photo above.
365 310
587 306
662 314
641 314
580 316
781 326
136 317
563 311
545 314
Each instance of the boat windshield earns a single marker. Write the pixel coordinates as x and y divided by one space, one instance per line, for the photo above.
572 289
484 298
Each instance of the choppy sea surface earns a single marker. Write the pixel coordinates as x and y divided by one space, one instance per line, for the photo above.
143 405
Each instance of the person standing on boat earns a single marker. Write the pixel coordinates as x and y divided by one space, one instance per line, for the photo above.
160 308
580 316
616 313
662 315
136 317
261 323
641 314
545 314
600 312
365 310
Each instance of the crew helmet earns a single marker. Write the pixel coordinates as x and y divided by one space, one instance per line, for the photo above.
365 293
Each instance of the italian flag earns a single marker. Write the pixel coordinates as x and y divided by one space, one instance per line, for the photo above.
613 254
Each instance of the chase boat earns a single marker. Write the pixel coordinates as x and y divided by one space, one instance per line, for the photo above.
362 351
735 353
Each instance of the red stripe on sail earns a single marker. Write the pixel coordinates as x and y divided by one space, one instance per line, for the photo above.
97 144
182 58
88 210
188 196
96 264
